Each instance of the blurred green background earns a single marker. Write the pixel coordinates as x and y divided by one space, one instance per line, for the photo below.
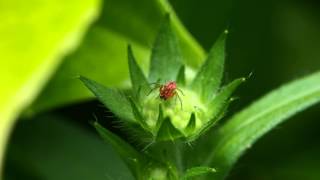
278 41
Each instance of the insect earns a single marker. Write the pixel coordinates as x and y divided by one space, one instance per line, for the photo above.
168 91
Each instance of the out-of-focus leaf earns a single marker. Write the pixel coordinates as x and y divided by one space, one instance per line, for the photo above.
244 128
103 55
166 58
49 147
35 35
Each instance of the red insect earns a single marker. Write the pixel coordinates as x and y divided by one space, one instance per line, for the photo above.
168 90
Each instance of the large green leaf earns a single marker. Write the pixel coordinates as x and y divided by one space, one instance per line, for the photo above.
243 129
103 55
35 35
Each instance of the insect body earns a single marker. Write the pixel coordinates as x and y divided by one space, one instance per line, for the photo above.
168 90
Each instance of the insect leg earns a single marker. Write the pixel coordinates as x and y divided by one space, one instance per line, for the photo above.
180 91
180 100
157 86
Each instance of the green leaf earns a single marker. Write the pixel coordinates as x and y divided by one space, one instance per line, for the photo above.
35 35
244 128
139 82
103 57
166 57
52 147
114 99
208 78
133 158
197 171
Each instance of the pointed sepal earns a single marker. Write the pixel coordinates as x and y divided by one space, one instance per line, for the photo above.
137 115
181 79
139 82
131 157
224 96
160 119
166 57
190 128
167 131
113 99
218 106
208 78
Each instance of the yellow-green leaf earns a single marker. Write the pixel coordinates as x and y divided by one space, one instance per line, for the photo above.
35 35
